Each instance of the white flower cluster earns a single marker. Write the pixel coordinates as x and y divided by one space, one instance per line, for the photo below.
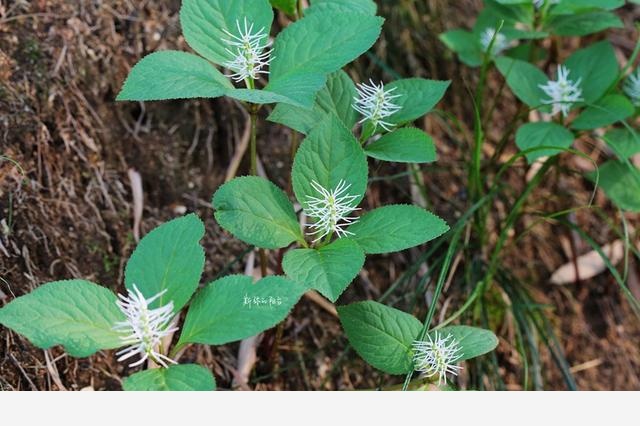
500 42
632 87
330 210
563 93
437 356
144 328
375 104
249 54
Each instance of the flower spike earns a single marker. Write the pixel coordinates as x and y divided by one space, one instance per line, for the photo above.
632 87
248 51
437 356
563 93
144 328
374 103
331 210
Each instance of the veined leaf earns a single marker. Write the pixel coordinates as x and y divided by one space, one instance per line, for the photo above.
329 269
396 227
185 377
539 134
169 258
405 145
233 308
257 212
77 314
171 74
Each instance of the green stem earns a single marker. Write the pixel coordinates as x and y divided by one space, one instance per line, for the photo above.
253 149
436 296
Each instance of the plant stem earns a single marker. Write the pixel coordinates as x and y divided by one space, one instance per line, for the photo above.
253 150
436 295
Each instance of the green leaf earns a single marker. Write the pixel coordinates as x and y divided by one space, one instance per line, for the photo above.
234 308
596 66
623 142
305 52
259 97
582 24
336 97
621 182
173 75
381 335
327 156
524 80
77 314
185 377
473 341
465 44
367 7
287 6
329 269
204 23
535 135
257 212
396 227
608 110
168 258
406 145
573 6
418 97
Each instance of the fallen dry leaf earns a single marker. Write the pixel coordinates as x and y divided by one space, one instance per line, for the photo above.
589 264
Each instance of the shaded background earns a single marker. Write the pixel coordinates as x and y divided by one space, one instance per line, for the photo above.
71 214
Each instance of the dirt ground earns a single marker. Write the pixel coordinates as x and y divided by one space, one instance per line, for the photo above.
67 210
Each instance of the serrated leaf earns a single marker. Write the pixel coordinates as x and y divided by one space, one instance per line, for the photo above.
77 314
171 74
329 269
327 156
582 24
465 44
381 335
406 145
418 96
185 377
621 182
623 142
305 52
396 227
596 66
472 340
204 23
524 80
169 258
539 134
608 110
233 308
259 97
257 212
335 97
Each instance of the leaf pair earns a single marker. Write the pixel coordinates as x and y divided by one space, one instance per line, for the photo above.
383 336
303 54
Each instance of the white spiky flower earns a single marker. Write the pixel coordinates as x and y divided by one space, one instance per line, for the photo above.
563 93
330 210
437 356
632 87
375 104
144 328
500 42
248 51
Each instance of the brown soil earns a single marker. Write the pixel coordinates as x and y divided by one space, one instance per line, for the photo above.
70 214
